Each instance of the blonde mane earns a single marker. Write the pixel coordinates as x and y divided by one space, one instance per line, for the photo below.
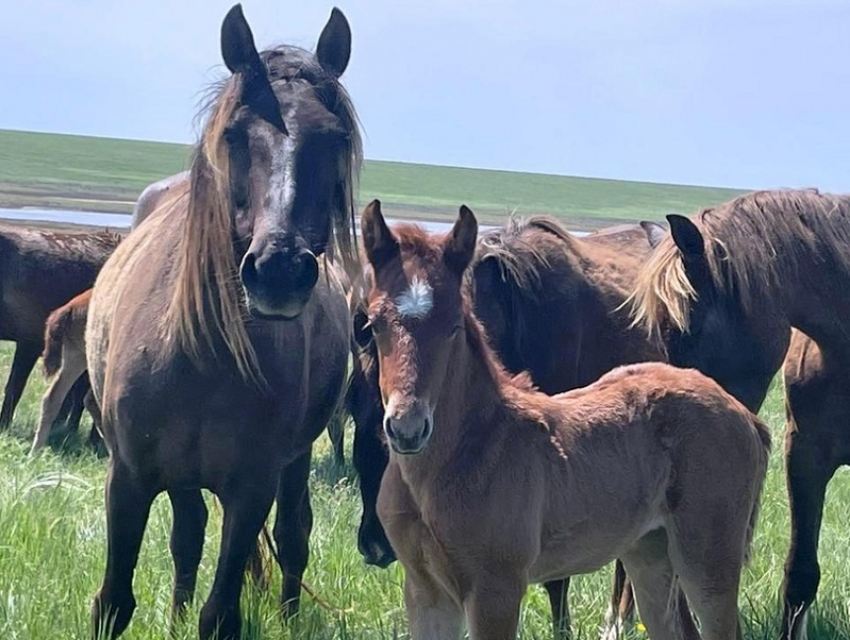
207 306
752 244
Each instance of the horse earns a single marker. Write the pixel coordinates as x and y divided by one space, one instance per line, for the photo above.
651 464
523 275
42 270
217 337
145 205
722 292
64 361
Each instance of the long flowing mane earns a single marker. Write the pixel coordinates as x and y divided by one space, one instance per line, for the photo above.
207 305
752 244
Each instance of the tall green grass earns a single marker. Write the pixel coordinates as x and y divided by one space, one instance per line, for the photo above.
52 529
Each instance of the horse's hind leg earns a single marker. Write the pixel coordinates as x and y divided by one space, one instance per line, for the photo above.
245 510
127 509
187 545
661 604
336 432
50 404
558 590
620 615
26 355
292 527
74 403
808 471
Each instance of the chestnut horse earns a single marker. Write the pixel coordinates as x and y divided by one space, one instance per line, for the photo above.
64 364
655 465
722 293
42 270
217 338
522 276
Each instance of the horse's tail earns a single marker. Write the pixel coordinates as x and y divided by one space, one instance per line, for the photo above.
55 330
763 434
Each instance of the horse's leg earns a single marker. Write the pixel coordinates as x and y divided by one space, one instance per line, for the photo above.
808 471
492 608
127 507
245 510
96 433
336 432
292 527
431 615
75 402
26 355
187 545
370 461
652 576
620 615
50 404
558 591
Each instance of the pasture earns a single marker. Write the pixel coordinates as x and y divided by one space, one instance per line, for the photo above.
52 554
103 174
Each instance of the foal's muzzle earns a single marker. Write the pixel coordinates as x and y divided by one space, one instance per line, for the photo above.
278 282
408 426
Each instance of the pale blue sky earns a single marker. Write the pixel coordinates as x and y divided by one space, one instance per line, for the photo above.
746 93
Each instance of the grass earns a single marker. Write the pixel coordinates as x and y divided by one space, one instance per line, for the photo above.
52 549
103 174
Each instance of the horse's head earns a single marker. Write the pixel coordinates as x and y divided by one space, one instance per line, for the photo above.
416 313
713 332
289 142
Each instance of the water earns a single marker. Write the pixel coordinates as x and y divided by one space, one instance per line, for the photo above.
122 220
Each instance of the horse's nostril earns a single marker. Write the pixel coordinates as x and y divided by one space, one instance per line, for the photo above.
388 428
249 269
308 273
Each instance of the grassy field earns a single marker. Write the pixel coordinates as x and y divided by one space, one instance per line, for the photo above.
52 556
102 174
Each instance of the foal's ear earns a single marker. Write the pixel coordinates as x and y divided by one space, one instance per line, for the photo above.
334 48
686 236
378 240
460 243
241 56
655 232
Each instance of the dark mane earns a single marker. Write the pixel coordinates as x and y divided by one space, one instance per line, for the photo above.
201 315
518 256
751 244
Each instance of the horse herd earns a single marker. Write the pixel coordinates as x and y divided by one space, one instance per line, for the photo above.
603 390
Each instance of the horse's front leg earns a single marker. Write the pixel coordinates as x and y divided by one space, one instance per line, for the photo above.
187 545
246 505
292 527
492 608
26 355
431 614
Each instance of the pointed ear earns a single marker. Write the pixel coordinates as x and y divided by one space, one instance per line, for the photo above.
460 244
378 241
655 232
241 56
334 48
686 236
237 43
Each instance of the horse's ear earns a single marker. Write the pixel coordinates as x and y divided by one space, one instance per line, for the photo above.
686 236
378 240
655 232
241 56
237 43
460 243
334 48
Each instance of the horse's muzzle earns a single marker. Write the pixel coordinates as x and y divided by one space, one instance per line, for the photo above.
278 283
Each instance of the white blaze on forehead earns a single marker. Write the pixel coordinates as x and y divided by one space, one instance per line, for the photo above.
416 301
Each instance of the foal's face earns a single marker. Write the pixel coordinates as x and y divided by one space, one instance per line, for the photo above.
288 162
722 341
416 316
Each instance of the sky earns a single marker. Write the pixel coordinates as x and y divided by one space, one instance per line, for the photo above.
737 93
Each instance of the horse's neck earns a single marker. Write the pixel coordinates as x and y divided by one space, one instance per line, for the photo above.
815 302
468 410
